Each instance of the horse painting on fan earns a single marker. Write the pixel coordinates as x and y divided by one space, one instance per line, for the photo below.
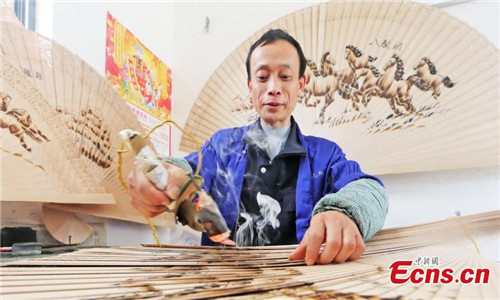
348 81
359 83
362 81
323 83
320 84
356 59
391 86
19 122
427 78
366 91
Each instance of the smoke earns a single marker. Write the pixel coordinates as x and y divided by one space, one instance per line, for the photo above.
255 225
255 228
269 209
224 187
272 140
257 137
244 235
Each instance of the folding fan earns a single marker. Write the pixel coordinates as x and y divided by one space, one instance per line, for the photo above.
401 86
65 151
33 136
65 227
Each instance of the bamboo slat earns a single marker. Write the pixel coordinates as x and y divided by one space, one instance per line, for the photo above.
193 272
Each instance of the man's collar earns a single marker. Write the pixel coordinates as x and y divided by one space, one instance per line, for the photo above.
256 136
293 144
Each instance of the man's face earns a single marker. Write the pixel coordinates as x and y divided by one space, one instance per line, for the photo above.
275 84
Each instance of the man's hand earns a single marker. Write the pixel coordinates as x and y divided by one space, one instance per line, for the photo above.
146 198
340 235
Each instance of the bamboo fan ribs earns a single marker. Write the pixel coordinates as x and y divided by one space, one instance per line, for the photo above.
414 85
60 121
194 272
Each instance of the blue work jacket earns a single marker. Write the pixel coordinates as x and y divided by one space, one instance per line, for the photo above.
323 170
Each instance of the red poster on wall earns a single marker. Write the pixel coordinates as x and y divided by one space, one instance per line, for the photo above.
142 79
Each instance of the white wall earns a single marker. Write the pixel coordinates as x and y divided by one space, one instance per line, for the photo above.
175 33
44 17
482 15
431 196
81 27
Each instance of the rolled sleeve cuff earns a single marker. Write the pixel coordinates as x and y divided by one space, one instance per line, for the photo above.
364 201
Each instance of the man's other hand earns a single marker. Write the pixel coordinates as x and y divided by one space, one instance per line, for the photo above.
340 235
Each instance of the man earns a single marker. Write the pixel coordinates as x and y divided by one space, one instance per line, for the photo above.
322 196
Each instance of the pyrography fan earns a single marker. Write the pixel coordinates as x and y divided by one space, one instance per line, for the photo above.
401 86
61 129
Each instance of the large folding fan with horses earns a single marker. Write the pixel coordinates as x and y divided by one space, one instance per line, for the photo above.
401 86
60 122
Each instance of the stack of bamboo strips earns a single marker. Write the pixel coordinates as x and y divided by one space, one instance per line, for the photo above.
188 272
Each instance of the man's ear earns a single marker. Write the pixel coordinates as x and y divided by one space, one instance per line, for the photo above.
302 82
249 85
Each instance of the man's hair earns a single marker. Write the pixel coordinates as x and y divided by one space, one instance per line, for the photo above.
270 37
